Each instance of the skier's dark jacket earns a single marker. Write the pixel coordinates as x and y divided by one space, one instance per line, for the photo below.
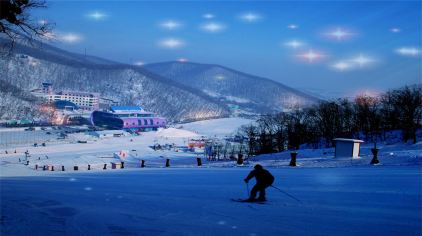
263 177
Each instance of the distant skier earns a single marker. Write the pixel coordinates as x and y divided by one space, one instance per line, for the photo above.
264 179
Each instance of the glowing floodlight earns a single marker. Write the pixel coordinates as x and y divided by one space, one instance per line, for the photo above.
182 59
69 37
213 27
292 26
294 44
342 66
311 56
208 16
171 43
362 60
171 25
97 15
409 51
139 63
395 30
339 34
250 17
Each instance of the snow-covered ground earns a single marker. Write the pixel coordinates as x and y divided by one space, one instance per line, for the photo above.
99 151
367 200
217 127
338 196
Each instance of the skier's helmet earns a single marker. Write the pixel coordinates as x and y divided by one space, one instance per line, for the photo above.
258 167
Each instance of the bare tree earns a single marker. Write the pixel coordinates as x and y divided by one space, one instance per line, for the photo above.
367 111
16 21
409 102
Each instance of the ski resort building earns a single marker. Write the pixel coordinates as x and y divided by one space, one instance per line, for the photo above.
131 118
84 100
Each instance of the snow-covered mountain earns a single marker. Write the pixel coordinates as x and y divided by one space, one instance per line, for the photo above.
30 65
251 93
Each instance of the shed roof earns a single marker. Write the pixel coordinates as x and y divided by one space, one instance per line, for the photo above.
126 108
348 140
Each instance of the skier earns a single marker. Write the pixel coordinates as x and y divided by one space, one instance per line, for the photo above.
264 179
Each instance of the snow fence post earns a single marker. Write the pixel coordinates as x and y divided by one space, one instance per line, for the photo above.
52 168
293 156
239 159
44 167
75 168
142 163
89 167
167 162
198 159
122 166
62 168
105 167
375 160
36 166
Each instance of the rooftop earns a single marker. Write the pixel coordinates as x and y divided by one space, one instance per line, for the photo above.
126 108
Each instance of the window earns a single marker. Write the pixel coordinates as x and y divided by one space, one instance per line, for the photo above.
151 122
145 122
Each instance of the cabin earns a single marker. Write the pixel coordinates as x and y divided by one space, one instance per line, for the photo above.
347 147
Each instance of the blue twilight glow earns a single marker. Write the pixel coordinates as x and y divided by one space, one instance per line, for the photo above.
335 48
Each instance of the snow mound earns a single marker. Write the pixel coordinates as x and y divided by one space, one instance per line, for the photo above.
176 133
217 127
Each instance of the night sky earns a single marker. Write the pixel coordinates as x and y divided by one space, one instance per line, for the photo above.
332 48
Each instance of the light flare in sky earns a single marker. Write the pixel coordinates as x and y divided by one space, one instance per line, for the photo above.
182 59
311 56
250 17
208 16
395 30
42 22
70 38
362 60
357 62
97 15
339 34
409 51
292 26
63 37
213 27
294 44
171 25
49 36
171 43
139 63
342 66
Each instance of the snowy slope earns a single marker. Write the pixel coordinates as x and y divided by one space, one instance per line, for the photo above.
336 196
251 93
216 127
29 66
333 201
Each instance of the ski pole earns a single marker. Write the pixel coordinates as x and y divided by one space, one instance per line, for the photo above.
287 194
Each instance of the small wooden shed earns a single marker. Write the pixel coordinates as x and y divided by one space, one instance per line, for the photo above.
347 147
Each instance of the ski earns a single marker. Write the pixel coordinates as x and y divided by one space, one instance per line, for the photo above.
246 201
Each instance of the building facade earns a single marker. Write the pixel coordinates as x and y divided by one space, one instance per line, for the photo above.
128 117
84 100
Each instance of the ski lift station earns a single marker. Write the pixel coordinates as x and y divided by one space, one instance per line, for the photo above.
347 147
